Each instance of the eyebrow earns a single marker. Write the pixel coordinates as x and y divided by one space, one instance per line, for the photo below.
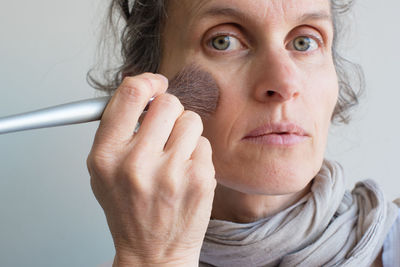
224 11
236 13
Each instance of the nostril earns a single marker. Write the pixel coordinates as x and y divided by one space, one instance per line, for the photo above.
270 93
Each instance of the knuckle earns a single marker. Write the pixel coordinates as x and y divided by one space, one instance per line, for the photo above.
207 175
98 164
192 116
193 119
170 101
135 89
170 187
148 75
156 79
143 152
170 178
203 183
135 162
175 161
205 144
89 162
132 174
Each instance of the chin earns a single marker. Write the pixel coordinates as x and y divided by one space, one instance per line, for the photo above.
273 177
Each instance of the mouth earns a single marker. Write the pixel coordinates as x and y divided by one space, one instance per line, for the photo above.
286 134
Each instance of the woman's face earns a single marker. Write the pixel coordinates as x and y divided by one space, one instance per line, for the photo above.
273 64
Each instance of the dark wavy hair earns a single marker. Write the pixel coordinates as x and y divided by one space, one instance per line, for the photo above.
131 44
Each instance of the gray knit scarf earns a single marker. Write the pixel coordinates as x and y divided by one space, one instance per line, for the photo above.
328 227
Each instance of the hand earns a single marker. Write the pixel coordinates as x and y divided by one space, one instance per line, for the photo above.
156 186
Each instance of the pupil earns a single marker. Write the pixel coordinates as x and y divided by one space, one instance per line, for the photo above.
221 42
302 44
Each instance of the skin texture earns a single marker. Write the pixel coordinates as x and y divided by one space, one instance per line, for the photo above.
256 180
158 187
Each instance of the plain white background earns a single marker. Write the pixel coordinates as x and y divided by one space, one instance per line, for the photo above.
48 214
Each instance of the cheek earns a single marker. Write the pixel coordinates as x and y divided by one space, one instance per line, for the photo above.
328 97
221 128
322 101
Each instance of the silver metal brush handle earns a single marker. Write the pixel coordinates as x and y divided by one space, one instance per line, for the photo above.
70 113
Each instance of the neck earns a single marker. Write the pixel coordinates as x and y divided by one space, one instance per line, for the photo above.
239 207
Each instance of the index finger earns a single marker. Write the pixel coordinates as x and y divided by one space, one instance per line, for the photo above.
127 104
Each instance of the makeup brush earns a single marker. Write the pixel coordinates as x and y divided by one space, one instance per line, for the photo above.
194 87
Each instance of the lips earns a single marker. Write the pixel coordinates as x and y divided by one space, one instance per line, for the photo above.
277 134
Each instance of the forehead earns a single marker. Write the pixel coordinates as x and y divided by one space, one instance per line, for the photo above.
273 11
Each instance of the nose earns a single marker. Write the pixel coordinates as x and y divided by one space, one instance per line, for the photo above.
276 76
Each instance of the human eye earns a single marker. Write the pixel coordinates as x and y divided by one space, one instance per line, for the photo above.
225 43
305 44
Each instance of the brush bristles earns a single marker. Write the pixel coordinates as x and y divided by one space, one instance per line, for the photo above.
196 89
